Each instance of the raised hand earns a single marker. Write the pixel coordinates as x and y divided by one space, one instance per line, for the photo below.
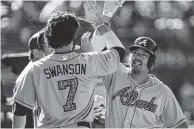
85 42
92 11
111 6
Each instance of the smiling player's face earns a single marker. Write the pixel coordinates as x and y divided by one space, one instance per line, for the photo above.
138 61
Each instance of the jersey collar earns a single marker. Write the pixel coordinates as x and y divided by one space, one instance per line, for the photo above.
152 81
136 84
63 57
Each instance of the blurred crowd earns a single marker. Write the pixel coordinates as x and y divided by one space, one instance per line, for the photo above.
169 23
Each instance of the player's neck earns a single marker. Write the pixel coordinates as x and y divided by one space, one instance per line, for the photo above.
140 79
64 49
35 59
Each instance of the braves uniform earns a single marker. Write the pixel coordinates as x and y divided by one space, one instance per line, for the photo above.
19 81
62 86
20 77
130 105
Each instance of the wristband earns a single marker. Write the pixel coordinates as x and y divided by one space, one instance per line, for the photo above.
98 24
108 13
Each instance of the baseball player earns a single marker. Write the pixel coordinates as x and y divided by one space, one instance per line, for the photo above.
137 99
37 50
63 82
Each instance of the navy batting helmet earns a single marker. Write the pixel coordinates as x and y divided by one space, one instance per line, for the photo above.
146 43
149 45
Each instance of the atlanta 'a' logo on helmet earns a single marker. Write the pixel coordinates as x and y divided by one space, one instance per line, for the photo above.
143 43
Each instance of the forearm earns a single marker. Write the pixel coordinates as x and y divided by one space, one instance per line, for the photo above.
107 40
97 44
112 41
103 28
106 19
19 121
93 15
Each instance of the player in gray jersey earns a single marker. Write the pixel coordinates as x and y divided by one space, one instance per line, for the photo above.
63 82
37 50
135 98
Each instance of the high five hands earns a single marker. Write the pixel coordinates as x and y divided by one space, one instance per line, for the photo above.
93 12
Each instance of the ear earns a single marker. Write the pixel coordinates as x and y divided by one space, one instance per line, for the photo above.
36 53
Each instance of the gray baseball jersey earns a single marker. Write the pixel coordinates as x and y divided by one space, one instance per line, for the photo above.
62 86
129 105
20 77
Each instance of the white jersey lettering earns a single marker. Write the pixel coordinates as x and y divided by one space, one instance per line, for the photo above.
64 69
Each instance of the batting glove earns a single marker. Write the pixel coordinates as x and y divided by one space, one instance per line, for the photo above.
92 11
110 7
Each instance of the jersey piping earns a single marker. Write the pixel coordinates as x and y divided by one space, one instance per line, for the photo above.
139 98
178 123
23 104
64 60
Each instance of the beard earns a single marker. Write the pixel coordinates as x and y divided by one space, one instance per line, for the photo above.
136 71
137 66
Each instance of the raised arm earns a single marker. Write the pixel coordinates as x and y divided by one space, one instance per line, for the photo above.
94 16
99 42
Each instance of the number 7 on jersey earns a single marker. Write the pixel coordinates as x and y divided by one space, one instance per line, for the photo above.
72 83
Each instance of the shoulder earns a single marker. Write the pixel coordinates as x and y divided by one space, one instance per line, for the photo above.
39 63
168 91
110 51
161 86
33 66
121 71
165 88
88 54
36 65
24 71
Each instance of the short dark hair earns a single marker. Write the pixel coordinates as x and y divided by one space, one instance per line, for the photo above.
61 29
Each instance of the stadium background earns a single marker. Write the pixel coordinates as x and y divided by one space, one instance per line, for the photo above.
169 23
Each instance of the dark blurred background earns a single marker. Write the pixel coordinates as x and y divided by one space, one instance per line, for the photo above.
169 23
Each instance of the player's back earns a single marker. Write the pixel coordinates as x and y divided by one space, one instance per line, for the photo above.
64 87
19 79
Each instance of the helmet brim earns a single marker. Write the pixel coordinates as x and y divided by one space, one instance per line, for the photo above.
131 48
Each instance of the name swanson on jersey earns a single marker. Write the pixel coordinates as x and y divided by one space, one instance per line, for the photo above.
64 69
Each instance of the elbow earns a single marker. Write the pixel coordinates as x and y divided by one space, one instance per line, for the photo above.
121 52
